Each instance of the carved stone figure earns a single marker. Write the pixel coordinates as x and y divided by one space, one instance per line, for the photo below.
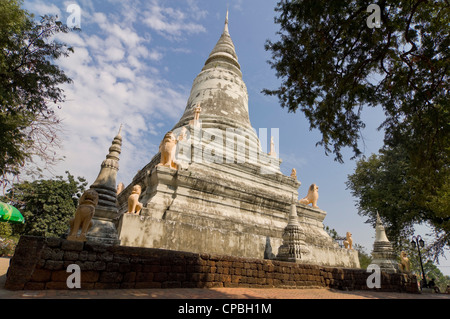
134 207
294 173
120 188
348 242
197 111
312 196
405 265
83 216
168 149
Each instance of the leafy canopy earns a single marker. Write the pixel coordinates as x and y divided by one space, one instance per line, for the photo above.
332 65
29 81
386 183
48 205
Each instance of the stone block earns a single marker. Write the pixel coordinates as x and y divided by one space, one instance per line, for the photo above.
72 245
127 285
144 277
53 242
54 264
213 284
95 247
196 277
52 254
176 277
41 275
125 268
83 255
238 264
160 277
136 267
59 275
89 276
110 277
105 256
99 265
112 266
129 277
71 255
152 268
121 259
87 265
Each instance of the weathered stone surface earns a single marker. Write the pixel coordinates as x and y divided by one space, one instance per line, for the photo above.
231 197
187 270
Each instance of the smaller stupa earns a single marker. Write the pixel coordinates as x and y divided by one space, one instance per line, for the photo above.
383 254
293 248
106 213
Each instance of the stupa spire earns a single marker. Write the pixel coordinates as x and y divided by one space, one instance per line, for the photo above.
219 88
383 254
103 229
225 29
224 52
105 183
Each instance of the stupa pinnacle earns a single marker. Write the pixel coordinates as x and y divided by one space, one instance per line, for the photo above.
219 89
105 184
104 229
383 254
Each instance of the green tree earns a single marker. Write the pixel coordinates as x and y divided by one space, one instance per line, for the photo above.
433 272
364 258
332 65
48 205
387 184
29 86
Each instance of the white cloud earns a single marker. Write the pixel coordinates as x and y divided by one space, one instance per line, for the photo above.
115 81
171 23
40 8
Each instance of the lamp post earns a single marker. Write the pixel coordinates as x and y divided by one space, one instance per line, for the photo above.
418 242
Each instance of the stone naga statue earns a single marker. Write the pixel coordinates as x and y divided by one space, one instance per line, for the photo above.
168 148
405 265
134 207
83 216
348 242
311 197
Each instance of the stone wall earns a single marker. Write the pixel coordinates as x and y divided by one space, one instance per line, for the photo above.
41 263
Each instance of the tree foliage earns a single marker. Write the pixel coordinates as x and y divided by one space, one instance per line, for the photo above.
48 205
332 65
386 183
29 85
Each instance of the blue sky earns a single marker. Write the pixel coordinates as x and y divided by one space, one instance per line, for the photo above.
134 64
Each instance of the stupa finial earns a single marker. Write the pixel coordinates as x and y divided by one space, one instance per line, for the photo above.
225 30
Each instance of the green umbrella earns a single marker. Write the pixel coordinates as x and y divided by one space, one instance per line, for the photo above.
10 214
